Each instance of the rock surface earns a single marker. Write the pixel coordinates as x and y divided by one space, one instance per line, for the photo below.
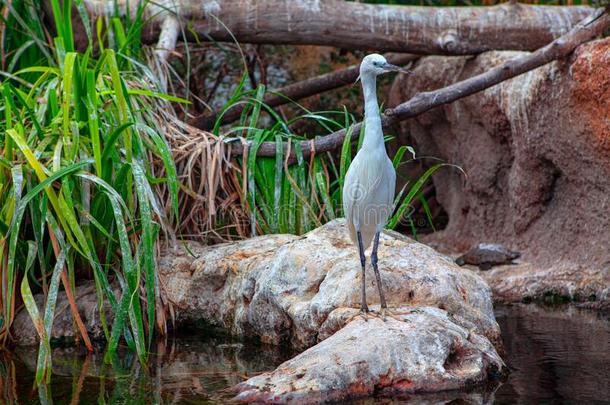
561 281
187 368
64 327
536 150
417 350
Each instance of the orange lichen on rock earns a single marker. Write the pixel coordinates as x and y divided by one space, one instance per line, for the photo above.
591 88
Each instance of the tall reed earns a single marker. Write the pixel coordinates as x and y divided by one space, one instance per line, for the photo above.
77 192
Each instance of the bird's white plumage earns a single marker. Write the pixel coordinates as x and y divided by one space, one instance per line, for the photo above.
368 194
368 190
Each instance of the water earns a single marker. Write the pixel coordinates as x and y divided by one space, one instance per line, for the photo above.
557 355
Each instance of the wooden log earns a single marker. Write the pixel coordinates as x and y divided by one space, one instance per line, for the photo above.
588 29
384 28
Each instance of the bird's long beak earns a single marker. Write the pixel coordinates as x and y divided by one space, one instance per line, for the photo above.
394 68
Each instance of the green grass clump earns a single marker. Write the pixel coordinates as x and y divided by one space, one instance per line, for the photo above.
77 187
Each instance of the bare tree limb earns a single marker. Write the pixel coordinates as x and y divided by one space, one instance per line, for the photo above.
588 29
297 91
168 37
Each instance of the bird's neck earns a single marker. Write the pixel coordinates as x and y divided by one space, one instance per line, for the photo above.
373 135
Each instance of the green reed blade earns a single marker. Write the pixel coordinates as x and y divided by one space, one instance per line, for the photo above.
395 219
147 244
43 368
397 160
166 156
277 189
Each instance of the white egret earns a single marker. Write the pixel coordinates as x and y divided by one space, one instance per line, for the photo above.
368 190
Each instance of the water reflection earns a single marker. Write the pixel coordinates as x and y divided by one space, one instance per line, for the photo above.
184 370
557 355
8 379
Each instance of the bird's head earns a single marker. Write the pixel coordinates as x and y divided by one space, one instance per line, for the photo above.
375 64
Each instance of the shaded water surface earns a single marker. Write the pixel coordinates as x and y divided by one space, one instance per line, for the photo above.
559 355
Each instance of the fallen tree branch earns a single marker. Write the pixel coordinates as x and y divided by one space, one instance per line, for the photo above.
297 91
352 25
588 29
168 37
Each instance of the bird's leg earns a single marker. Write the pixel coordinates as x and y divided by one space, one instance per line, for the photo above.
363 307
384 306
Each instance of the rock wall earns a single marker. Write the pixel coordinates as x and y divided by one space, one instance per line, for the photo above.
536 150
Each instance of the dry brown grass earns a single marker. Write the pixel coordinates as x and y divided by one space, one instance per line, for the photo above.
212 204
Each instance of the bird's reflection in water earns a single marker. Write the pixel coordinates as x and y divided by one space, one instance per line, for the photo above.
556 356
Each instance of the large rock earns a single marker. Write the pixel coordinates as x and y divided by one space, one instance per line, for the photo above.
305 290
536 150
293 289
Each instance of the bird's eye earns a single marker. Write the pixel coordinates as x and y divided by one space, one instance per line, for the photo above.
375 63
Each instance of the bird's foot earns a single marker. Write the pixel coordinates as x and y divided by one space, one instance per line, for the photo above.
364 312
386 313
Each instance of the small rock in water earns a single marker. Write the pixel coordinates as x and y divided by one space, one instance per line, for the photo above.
487 255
